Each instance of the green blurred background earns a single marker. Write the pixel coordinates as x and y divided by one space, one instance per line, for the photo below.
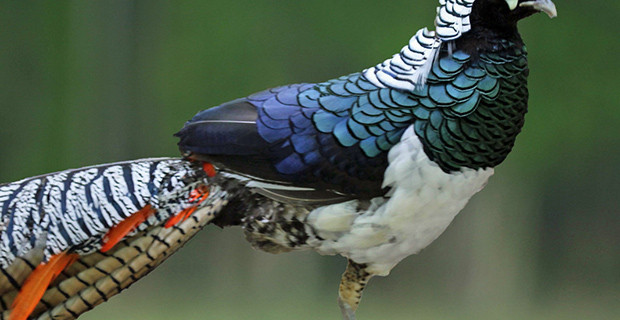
87 82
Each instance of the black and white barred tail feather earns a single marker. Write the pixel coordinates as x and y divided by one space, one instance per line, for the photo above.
74 209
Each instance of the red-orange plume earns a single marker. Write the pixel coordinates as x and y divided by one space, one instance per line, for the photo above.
37 282
119 231
209 169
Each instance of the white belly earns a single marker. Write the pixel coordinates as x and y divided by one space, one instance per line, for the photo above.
421 204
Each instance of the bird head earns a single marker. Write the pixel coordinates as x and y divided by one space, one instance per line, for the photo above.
504 14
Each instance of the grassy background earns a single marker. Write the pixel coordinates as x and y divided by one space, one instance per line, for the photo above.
87 82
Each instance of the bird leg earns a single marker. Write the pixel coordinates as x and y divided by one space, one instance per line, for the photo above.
352 284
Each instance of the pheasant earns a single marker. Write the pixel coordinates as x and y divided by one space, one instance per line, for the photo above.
372 166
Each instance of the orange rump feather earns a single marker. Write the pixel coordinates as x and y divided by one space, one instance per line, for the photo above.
181 216
37 282
197 196
209 169
119 231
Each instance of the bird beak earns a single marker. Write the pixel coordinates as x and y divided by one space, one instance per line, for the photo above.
545 6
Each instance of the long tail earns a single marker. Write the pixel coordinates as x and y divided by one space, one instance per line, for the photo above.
73 239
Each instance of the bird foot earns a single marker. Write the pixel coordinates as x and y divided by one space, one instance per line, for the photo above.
347 311
351 287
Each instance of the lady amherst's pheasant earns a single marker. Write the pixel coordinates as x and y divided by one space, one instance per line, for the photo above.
372 166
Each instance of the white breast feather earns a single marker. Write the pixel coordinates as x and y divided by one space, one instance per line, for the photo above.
421 204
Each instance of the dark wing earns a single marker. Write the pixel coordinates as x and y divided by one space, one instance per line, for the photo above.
335 136
331 137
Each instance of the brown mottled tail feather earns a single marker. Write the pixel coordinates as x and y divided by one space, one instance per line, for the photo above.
96 277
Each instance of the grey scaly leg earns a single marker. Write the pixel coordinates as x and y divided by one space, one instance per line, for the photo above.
352 284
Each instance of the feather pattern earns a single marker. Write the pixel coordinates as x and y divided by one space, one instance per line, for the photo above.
336 138
75 208
85 215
